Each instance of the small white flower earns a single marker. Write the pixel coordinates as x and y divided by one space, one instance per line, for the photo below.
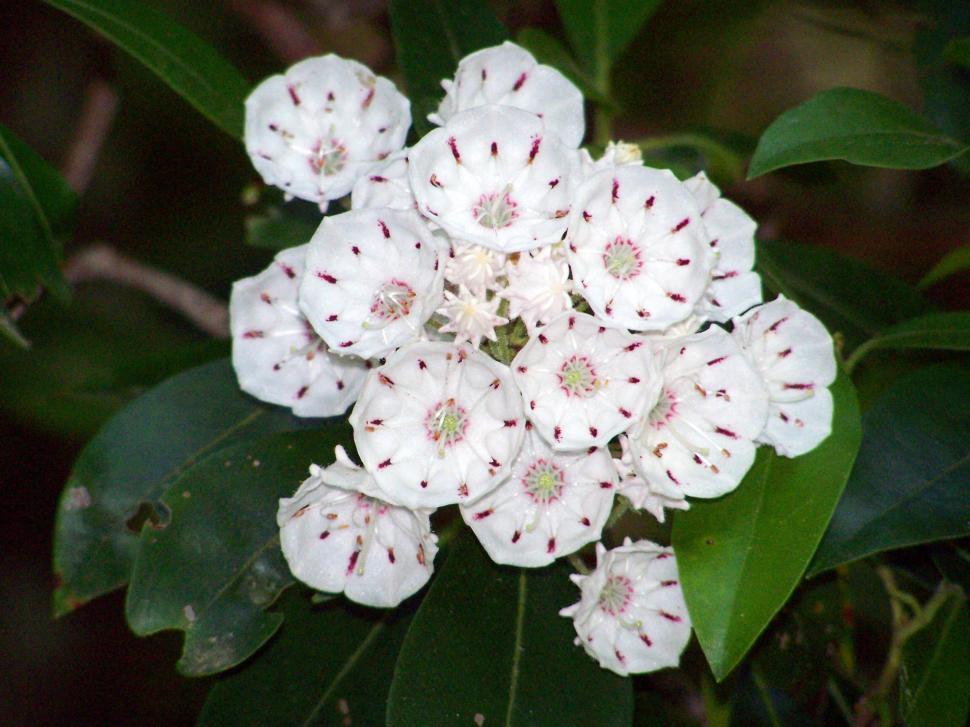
794 353
495 176
538 286
638 248
734 286
438 424
509 75
631 616
698 441
584 383
474 266
385 185
638 491
374 276
277 355
552 504
337 539
470 317
315 130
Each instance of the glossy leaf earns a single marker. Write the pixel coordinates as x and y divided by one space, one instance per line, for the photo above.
36 213
188 64
909 484
601 30
955 261
850 297
215 567
940 331
741 556
330 664
934 678
488 640
856 126
133 459
431 36
280 227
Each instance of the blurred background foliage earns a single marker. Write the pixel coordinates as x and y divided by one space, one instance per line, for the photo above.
169 189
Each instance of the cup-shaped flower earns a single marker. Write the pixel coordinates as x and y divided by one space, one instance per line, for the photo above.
552 504
631 616
638 490
584 383
374 277
438 424
277 355
794 353
638 248
322 125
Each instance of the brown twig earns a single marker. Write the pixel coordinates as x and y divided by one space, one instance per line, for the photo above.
97 115
281 29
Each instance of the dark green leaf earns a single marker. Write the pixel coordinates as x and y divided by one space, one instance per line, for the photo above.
953 262
857 126
36 214
132 461
188 64
431 36
280 227
953 561
488 640
723 162
548 50
934 680
958 51
940 331
215 567
600 31
909 485
741 556
848 296
331 664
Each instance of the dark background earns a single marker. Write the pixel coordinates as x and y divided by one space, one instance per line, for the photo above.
167 189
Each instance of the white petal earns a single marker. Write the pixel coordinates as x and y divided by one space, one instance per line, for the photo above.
385 185
796 428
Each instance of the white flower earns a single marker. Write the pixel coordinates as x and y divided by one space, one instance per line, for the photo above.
474 266
698 441
337 539
470 317
584 383
438 424
509 75
552 504
616 154
374 276
315 130
277 355
638 491
794 353
637 247
734 287
631 616
495 176
385 185
538 286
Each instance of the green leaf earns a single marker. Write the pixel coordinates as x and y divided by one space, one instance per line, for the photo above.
431 36
955 261
216 565
856 126
958 51
188 64
848 296
909 484
331 664
722 163
548 50
600 31
940 331
278 228
488 640
9 330
36 213
934 679
130 463
741 556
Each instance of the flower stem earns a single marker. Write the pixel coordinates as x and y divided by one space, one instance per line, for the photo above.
578 564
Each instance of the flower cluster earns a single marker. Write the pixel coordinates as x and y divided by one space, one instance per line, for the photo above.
522 330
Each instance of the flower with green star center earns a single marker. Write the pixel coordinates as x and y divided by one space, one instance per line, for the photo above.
622 259
446 424
543 481
330 159
577 377
615 595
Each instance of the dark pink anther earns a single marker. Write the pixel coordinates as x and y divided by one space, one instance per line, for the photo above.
293 95
682 224
483 514
649 202
353 561
616 190
725 432
715 361
326 276
553 183
593 432
557 433
683 261
677 297
302 392
519 81
355 250
454 148
253 334
385 463
551 545
673 479
494 149
386 232
535 149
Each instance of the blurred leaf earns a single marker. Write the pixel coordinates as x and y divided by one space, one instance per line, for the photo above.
758 703
856 126
953 562
9 330
934 678
488 640
548 50
431 36
953 262
741 556
722 162
948 331
958 51
133 459
847 295
909 484
36 212
330 664
280 227
188 64
215 567
600 31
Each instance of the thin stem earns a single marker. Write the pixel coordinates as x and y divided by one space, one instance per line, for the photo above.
860 352
501 348
839 699
97 115
578 564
